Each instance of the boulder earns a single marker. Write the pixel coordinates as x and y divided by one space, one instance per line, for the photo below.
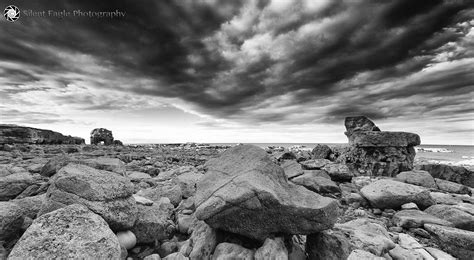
70 232
358 254
413 218
14 184
203 240
315 182
338 171
321 151
11 217
169 189
383 139
273 248
315 164
359 123
458 242
30 206
153 222
226 251
458 217
416 177
101 163
452 173
452 187
392 194
244 192
339 242
292 168
103 192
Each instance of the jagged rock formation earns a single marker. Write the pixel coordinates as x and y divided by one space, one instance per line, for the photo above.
102 135
13 134
377 153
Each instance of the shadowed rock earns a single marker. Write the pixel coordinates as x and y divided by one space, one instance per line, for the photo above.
244 192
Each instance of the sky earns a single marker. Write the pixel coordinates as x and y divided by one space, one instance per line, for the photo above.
257 71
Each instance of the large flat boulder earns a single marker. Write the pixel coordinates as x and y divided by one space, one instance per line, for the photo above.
452 173
413 218
72 232
458 242
244 192
103 192
386 193
417 177
460 218
383 139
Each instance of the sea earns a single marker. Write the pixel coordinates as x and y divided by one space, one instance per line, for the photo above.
462 155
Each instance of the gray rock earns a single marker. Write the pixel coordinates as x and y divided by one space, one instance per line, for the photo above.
203 240
458 242
452 173
103 192
226 251
153 222
339 242
70 232
358 254
11 217
165 188
244 192
400 253
359 123
444 198
458 217
439 254
152 257
315 164
176 256
416 177
14 184
30 206
387 193
314 182
452 187
413 218
292 168
273 248
321 151
383 139
338 171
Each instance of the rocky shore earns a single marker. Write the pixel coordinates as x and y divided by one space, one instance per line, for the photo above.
369 200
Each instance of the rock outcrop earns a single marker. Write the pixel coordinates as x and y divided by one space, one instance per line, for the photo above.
13 134
244 192
99 135
452 173
377 153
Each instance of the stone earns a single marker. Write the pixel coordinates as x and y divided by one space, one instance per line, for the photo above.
153 222
359 123
316 183
138 176
321 151
127 239
458 242
452 173
71 232
439 254
152 257
168 248
103 192
292 168
452 187
315 164
338 171
185 222
188 181
14 184
339 242
383 139
400 253
408 242
413 218
273 248
467 207
458 217
203 240
416 177
101 163
99 135
13 134
245 193
30 206
409 205
168 188
226 251
11 217
358 254
387 193
444 198
142 200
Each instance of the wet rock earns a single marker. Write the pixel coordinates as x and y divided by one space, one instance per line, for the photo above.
416 177
452 173
273 248
226 251
245 193
292 168
321 151
386 193
452 187
458 242
153 222
11 217
103 192
458 217
415 218
70 232
339 242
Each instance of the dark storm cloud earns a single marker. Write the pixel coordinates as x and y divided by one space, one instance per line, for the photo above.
226 57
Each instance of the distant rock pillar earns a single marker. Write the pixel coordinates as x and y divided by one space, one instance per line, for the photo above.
102 135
